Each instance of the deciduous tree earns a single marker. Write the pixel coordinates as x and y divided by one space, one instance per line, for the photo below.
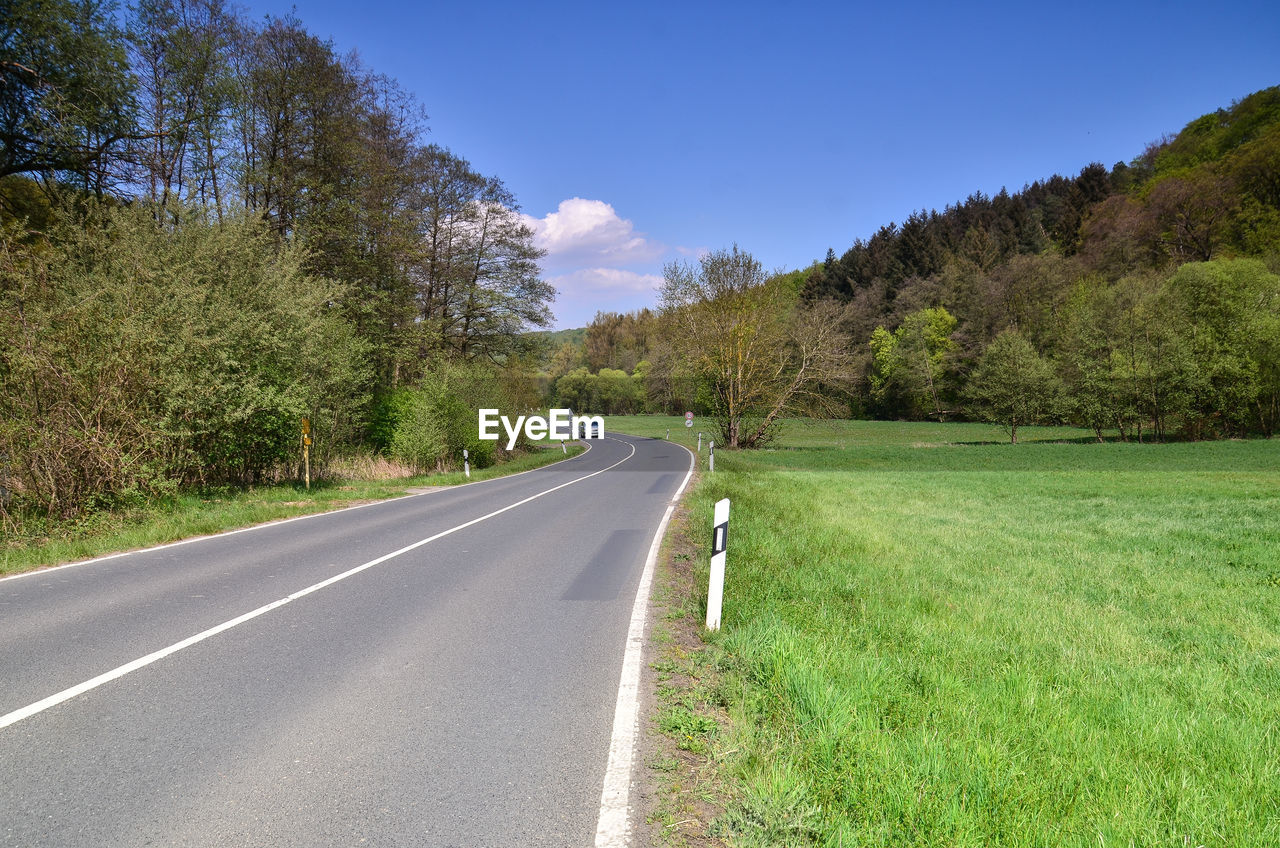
1013 385
745 338
66 97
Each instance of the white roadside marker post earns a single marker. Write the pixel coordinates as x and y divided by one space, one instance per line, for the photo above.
466 463
719 546
711 456
564 450
699 441
668 434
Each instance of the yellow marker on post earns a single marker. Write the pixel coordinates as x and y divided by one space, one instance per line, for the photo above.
306 451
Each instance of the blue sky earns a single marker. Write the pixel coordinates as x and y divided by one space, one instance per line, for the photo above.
635 134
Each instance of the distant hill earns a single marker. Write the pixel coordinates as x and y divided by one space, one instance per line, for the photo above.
556 338
552 352
1211 191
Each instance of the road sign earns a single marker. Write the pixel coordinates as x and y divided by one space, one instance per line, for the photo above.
688 416
688 422
306 426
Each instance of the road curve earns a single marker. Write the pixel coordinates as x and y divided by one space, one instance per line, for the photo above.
294 685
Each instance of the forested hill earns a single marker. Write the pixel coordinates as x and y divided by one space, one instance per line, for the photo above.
1017 260
1212 190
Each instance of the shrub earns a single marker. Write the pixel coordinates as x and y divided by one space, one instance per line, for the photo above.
433 422
142 348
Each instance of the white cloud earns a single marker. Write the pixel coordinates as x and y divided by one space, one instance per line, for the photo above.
581 294
605 281
589 232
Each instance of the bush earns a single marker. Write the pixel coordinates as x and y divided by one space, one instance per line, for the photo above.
432 423
141 349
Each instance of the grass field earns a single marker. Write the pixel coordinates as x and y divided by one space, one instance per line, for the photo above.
932 637
200 513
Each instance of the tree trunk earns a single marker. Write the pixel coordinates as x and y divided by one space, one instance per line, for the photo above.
213 176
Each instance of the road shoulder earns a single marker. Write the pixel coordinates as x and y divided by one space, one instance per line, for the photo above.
678 791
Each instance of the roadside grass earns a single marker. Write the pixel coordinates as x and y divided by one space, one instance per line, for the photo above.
985 644
681 799
199 513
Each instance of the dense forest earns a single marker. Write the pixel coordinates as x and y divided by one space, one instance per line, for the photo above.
214 227
1141 299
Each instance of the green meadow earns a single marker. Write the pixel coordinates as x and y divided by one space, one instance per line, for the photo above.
932 637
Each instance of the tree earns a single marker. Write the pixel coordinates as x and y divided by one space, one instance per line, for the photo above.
616 340
180 53
578 390
1231 311
66 101
620 394
1012 384
1190 214
745 338
1087 356
500 293
476 276
299 127
913 359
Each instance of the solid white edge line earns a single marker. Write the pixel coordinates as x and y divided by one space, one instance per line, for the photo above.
613 828
222 533
79 689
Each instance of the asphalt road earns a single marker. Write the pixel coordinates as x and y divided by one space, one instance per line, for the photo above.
459 693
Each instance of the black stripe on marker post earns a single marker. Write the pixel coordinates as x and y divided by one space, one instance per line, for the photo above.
720 539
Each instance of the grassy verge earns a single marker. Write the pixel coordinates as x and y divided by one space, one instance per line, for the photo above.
983 644
201 513
681 801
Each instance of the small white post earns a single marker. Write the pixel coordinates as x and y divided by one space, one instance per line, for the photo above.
699 441
711 456
563 449
466 463
668 434
719 547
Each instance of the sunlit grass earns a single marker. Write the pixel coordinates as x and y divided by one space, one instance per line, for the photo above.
841 433
934 643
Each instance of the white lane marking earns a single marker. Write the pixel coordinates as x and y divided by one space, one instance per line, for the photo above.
67 694
283 521
613 828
